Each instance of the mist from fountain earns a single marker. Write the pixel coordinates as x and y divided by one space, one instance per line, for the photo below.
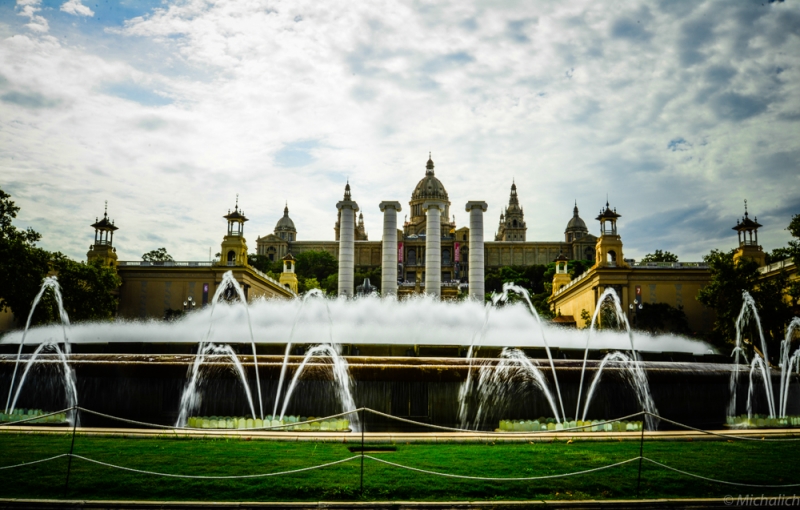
466 386
50 282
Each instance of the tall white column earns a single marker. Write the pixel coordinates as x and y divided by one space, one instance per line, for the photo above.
389 248
347 220
433 246
476 268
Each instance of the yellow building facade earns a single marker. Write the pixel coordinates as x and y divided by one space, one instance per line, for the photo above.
673 283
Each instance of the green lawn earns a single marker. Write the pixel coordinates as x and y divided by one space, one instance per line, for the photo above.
755 462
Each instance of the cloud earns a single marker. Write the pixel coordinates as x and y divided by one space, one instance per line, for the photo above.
30 100
296 154
28 9
76 8
676 110
138 93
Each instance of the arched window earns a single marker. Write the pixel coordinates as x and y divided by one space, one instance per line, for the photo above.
412 257
612 258
231 257
515 223
446 257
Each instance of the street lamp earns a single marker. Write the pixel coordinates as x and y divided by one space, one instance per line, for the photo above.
189 304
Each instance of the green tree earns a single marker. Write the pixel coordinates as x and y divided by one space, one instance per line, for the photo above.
724 295
662 318
794 244
660 256
265 265
317 264
158 255
23 266
89 290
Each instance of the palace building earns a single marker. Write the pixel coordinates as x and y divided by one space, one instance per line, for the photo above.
509 247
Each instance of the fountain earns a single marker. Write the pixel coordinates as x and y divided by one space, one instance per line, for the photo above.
760 366
68 376
404 358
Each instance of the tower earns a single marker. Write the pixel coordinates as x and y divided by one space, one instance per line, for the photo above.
512 220
288 277
747 230
234 246
561 277
103 248
609 245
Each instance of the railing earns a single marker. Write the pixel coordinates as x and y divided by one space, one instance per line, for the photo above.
573 282
269 278
670 265
165 263
102 242
781 264
748 243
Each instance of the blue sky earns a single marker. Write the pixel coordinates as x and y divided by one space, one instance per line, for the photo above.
677 111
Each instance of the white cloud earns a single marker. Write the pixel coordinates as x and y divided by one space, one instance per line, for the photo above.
676 117
29 8
77 8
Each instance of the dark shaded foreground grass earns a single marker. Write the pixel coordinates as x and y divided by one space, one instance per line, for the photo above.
754 462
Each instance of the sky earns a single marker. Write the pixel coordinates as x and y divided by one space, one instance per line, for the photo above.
674 112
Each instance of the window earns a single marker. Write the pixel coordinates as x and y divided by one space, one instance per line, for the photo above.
412 257
446 257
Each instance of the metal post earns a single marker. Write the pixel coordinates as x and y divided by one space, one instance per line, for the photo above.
71 448
363 426
641 452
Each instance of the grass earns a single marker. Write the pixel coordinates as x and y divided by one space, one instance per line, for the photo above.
754 462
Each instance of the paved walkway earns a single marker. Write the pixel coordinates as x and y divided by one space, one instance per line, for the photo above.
405 437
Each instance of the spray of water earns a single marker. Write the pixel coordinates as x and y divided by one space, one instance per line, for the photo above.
190 399
341 379
51 282
633 376
314 293
68 378
510 375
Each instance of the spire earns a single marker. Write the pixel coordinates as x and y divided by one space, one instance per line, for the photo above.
237 203
745 208
347 190
286 209
105 212
429 165
575 209
513 200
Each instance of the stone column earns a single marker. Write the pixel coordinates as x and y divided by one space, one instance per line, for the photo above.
389 248
476 263
347 219
433 246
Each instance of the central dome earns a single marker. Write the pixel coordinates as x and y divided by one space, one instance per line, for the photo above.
429 186
285 223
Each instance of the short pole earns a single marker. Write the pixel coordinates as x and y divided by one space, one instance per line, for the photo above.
71 448
363 426
641 453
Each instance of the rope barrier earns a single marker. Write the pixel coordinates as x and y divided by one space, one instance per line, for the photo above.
210 477
502 433
24 464
170 427
719 481
501 479
726 436
34 418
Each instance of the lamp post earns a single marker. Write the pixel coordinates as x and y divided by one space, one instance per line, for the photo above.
189 304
